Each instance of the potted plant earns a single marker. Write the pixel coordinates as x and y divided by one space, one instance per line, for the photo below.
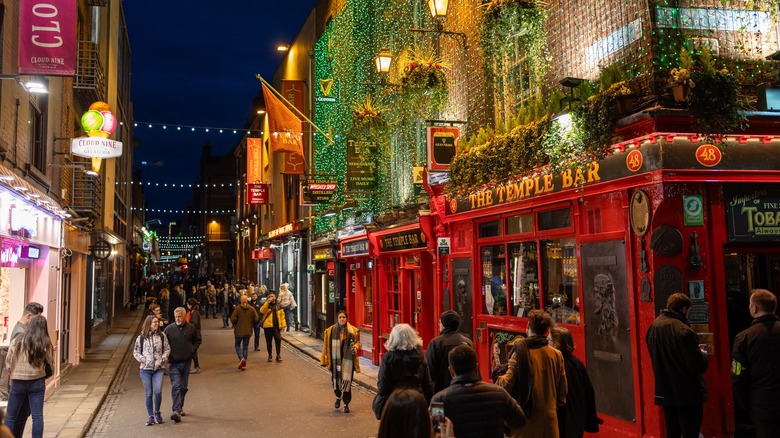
680 78
368 113
714 98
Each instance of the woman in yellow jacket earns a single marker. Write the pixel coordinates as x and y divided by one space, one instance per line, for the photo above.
339 353
273 323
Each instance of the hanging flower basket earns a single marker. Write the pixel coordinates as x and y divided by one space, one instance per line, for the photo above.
368 113
424 70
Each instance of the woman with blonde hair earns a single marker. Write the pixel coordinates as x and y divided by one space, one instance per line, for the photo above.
403 366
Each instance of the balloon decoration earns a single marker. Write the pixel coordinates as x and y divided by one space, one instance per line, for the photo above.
99 121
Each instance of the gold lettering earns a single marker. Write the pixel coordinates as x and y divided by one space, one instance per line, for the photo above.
749 211
500 192
538 189
528 185
593 172
566 180
548 183
489 197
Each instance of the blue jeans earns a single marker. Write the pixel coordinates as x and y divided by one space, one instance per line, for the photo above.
32 391
242 347
225 316
211 309
288 316
152 381
256 328
179 372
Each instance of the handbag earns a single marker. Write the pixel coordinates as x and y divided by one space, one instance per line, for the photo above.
377 405
48 369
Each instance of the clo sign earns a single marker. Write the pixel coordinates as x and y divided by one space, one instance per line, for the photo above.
48 34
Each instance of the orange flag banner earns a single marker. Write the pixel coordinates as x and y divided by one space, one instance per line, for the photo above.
285 127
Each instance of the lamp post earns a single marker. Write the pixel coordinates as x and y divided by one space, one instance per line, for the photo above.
383 60
438 8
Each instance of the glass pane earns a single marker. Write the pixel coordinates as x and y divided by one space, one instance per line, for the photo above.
490 229
494 280
523 278
550 220
368 303
559 262
523 223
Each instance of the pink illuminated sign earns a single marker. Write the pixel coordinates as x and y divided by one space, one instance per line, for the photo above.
9 255
47 37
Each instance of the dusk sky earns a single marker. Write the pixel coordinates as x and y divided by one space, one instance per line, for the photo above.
194 64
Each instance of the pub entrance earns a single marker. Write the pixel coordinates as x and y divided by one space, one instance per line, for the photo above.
747 268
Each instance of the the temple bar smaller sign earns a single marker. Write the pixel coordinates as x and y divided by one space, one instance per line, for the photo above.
442 144
284 229
411 239
256 193
356 248
752 214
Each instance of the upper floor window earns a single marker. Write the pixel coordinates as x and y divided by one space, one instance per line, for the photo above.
36 132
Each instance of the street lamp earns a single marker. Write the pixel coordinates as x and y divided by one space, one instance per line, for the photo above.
438 8
32 85
383 60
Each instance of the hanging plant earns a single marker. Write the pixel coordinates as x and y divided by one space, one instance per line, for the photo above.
368 113
596 118
424 70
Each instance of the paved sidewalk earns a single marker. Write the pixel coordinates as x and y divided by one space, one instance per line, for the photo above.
313 347
70 410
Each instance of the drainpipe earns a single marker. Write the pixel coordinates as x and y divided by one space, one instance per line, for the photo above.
16 132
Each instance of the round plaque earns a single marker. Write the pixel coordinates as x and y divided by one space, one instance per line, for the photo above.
640 212
666 241
101 249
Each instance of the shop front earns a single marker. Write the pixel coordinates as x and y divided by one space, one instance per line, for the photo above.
286 263
357 255
602 248
322 284
405 278
30 240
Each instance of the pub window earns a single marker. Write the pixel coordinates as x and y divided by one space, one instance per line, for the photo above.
490 229
494 280
559 265
554 219
393 291
523 223
523 278
368 302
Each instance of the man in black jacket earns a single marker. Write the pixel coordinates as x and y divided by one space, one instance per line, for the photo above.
678 364
184 340
476 408
440 347
755 364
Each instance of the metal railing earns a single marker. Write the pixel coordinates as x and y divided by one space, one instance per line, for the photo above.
90 82
87 195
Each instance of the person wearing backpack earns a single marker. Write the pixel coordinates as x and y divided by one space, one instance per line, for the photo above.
151 351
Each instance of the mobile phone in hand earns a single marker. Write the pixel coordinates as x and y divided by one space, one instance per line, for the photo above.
437 415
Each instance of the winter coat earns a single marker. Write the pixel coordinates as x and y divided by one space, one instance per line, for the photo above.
152 352
478 409
549 390
754 367
436 356
579 414
403 369
678 364
244 317
193 317
268 318
326 346
184 340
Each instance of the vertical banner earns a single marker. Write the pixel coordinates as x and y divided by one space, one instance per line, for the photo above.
47 37
361 165
254 160
442 144
295 93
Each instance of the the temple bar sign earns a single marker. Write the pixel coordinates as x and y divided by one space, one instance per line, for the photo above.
404 240
442 145
752 214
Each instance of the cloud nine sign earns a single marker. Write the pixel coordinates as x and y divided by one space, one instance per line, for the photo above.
95 147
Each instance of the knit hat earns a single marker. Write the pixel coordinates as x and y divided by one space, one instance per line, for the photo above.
450 319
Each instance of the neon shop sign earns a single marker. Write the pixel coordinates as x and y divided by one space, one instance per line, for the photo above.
9 255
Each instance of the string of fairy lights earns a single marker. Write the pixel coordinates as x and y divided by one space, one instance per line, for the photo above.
179 185
188 211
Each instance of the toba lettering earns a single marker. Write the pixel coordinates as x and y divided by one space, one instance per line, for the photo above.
760 218
48 34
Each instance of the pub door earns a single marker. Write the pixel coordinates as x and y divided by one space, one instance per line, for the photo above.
747 269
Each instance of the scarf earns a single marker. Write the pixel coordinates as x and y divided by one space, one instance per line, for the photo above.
341 344
524 383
